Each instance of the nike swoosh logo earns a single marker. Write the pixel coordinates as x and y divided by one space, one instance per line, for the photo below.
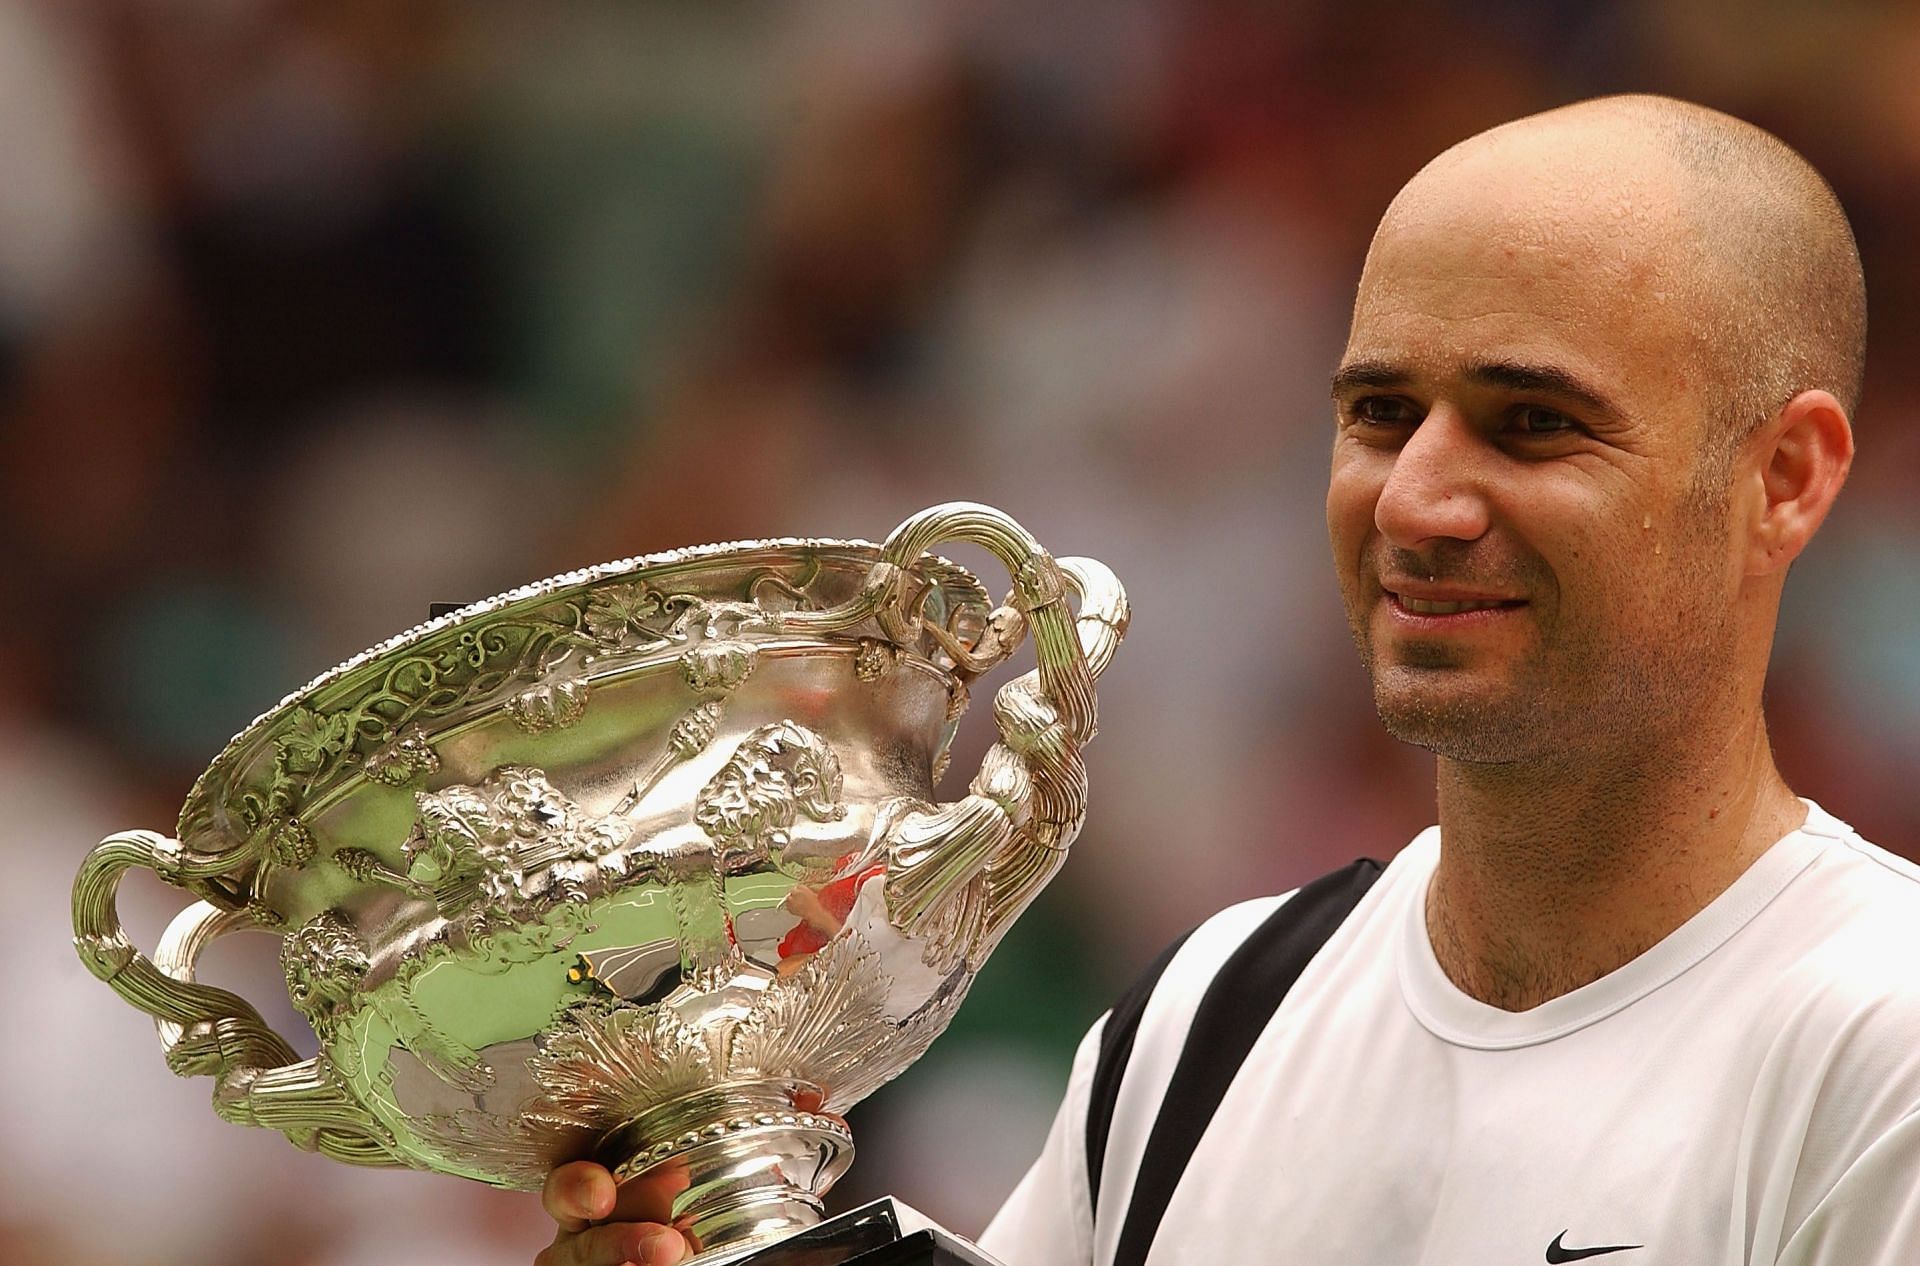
1556 1253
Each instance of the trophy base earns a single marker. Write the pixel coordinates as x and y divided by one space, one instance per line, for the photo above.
882 1233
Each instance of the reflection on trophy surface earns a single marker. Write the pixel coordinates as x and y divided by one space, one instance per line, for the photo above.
640 863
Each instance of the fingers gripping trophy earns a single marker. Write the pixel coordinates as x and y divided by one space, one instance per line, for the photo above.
640 864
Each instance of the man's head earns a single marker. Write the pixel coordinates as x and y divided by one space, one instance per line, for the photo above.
1597 389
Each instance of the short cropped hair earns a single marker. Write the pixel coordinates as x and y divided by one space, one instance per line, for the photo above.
1782 296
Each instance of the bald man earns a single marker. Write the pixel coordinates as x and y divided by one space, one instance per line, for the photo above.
1631 999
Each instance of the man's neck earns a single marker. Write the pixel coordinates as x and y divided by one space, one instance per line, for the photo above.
1550 878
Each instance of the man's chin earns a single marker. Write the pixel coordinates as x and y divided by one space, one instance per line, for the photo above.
1475 726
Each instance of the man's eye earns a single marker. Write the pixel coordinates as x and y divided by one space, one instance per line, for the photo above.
1384 410
1535 419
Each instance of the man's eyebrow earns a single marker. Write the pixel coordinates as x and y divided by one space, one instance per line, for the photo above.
1547 379
1367 373
1510 375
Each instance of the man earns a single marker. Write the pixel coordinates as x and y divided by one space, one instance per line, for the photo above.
1631 998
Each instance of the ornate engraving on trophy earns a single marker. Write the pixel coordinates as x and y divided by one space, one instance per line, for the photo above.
777 773
540 663
557 699
688 738
367 867
406 758
634 614
324 963
788 1055
507 848
320 747
746 810
283 840
717 667
874 659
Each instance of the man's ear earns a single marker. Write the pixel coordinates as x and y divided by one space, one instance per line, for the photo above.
1800 457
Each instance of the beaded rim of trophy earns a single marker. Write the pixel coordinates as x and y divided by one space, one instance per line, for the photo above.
640 863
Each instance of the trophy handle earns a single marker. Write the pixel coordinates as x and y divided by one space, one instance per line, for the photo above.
208 1031
959 873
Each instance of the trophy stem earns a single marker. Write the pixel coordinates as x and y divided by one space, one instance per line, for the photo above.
749 1162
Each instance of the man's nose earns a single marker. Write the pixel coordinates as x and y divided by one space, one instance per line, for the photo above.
1436 488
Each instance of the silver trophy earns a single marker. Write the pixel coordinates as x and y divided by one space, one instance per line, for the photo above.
639 864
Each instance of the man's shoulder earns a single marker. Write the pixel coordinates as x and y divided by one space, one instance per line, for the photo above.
1174 1042
1846 990
1297 920
1835 1021
1860 906
1244 958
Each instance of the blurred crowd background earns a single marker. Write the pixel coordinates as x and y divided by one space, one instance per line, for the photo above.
314 313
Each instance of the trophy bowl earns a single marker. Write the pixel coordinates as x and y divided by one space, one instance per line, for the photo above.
640 864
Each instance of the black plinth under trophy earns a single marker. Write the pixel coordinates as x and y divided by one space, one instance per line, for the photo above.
882 1233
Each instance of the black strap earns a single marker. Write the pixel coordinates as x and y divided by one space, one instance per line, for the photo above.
1116 1048
1238 1003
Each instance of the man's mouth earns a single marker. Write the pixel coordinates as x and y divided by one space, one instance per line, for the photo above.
1424 606
1418 597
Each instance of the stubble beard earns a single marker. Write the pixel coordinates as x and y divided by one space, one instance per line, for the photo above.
1582 691
1619 698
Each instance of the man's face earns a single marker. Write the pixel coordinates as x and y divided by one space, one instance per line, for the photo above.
1529 565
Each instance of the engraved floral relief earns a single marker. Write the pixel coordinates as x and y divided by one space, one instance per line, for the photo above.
820 1023
504 859
604 1064
538 660
403 759
772 592
874 659
709 668
317 748
688 738
516 1152
632 615
311 740
555 702
285 841
720 619
325 962
716 667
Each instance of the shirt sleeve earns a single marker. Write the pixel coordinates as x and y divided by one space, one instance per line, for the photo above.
1871 1217
1048 1220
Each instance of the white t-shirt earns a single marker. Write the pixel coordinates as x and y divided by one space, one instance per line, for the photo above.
1745 1092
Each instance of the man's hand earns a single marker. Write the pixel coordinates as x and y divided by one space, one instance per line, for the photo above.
605 1225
